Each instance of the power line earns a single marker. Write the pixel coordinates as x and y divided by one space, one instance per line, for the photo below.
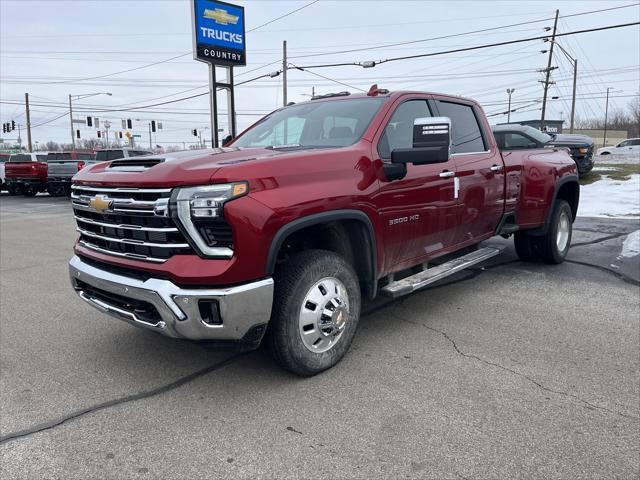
283 16
457 34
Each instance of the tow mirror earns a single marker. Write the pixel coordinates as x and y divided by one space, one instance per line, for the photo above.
431 142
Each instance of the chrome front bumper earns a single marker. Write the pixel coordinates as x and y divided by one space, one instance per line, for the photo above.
244 309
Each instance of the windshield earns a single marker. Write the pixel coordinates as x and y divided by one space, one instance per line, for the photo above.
104 155
323 124
537 134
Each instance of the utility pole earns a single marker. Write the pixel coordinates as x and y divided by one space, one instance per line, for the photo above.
150 144
200 137
547 82
107 125
573 96
284 73
26 102
73 136
606 112
509 92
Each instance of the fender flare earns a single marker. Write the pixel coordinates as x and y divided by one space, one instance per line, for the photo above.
572 178
324 217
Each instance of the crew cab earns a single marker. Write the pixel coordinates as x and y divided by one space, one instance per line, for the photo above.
62 167
313 209
26 173
518 137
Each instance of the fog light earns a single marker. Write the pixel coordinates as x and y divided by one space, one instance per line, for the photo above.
210 312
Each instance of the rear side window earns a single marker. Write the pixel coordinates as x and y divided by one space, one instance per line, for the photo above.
399 131
41 158
85 156
635 142
465 129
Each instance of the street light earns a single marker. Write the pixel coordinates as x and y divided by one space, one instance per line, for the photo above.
79 97
509 92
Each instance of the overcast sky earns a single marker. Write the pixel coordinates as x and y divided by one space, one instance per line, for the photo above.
47 47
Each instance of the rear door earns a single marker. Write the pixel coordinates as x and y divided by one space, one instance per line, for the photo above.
479 170
417 213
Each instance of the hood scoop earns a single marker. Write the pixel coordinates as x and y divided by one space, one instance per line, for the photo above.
134 165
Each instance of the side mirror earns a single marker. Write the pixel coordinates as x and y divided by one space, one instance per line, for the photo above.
431 142
226 140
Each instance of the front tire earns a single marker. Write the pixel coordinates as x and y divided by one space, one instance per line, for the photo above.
315 313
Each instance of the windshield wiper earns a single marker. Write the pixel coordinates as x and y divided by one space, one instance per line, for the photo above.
278 147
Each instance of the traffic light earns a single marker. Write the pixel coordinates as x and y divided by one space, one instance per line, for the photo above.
89 122
99 134
13 125
119 134
129 124
4 128
153 126
195 132
77 133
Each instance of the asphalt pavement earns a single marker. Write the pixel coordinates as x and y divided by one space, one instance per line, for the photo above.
508 370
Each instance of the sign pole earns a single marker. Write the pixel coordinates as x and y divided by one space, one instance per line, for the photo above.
231 102
213 96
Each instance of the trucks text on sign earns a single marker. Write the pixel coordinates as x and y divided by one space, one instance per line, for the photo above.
219 33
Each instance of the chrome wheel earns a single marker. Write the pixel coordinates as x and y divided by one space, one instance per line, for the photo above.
564 229
324 315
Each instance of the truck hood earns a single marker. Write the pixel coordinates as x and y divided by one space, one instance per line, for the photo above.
566 140
193 167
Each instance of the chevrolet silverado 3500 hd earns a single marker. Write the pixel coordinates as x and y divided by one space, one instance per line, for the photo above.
313 208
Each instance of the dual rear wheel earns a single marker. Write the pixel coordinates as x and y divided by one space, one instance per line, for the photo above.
553 246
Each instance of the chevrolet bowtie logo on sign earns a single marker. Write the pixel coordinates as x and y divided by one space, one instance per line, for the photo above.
221 16
100 203
218 32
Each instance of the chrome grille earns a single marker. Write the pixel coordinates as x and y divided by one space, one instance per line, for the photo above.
127 222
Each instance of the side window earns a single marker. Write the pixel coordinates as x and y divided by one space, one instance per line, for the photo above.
634 143
465 129
517 141
399 131
623 144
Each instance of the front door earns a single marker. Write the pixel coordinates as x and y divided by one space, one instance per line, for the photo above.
417 213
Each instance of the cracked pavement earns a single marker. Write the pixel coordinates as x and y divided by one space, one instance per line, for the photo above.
503 371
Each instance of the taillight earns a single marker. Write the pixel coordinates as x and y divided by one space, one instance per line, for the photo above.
80 165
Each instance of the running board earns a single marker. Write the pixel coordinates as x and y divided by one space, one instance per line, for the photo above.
431 275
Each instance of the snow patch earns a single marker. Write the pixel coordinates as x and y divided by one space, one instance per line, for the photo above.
631 245
611 198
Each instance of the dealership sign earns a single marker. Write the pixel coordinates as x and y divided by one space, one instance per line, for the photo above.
218 33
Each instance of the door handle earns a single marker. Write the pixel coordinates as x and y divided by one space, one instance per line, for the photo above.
496 168
447 174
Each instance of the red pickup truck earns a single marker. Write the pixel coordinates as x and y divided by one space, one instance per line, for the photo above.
313 208
26 173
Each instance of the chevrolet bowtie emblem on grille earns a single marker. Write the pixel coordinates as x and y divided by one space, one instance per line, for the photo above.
220 16
100 203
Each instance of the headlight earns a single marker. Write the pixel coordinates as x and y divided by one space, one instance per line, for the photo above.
200 208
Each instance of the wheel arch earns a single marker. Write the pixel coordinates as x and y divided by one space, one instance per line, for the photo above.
355 222
567 188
